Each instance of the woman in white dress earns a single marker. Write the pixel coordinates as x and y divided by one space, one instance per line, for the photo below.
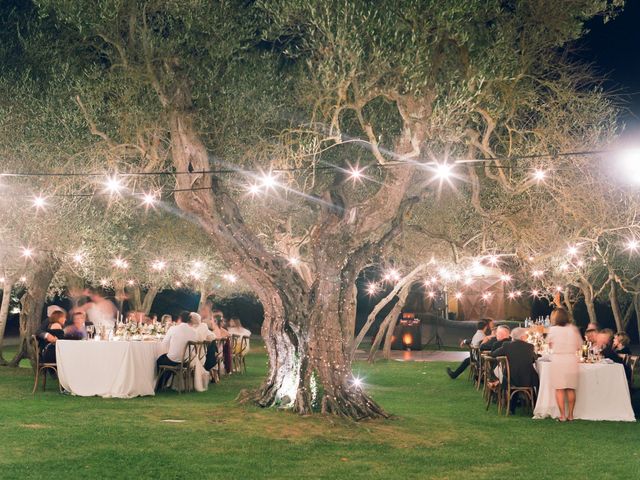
565 341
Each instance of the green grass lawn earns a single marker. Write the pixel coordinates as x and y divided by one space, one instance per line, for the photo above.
441 431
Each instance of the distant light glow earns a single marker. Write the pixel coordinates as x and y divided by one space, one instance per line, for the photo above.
486 296
131 282
104 282
537 273
372 289
492 260
254 189
535 293
580 263
23 279
178 284
268 181
431 294
78 257
357 382
195 275
633 245
572 250
458 295
27 252
392 275
355 173
559 289
198 264
505 277
149 199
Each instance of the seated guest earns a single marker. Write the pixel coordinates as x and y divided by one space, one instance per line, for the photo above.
48 336
621 343
176 340
591 334
202 331
166 319
475 341
521 357
152 318
78 329
604 341
502 335
236 328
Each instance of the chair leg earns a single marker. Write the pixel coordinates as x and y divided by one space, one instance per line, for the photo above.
44 379
35 383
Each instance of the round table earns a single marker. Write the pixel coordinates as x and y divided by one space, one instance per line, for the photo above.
602 393
116 369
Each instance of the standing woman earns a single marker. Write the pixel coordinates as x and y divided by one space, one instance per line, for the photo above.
565 341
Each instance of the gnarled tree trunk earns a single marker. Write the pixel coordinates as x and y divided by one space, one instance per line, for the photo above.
138 302
615 306
33 304
4 313
589 300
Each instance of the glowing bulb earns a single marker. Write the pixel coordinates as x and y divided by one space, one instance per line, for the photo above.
39 202
294 261
253 189
431 294
356 382
511 295
120 263
505 277
427 283
159 265
458 295
230 277
130 282
535 293
443 171
198 264
537 273
104 282
355 173
392 275
633 245
492 260
372 289
444 274
178 284
23 279
468 281
559 289
27 252
195 275
486 296
113 185
268 181
1 279
531 259
580 263
149 199
572 250
564 267
539 175
78 257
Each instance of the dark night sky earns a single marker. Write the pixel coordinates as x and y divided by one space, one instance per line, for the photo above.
614 50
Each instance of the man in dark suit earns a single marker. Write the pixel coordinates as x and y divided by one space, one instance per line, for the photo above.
604 340
496 341
521 357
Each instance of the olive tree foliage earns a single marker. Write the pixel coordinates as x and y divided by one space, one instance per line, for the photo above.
206 87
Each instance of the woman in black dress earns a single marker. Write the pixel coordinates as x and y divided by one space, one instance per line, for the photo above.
48 336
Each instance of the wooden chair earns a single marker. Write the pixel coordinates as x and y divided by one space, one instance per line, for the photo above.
475 366
239 346
490 392
184 371
509 391
42 367
632 362
219 368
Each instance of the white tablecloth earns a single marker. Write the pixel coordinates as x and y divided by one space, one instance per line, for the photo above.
107 369
602 393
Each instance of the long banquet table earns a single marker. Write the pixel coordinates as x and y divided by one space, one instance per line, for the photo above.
602 393
116 369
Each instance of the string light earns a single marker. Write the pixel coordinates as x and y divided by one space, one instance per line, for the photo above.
537 273
159 265
27 252
356 382
104 282
487 296
559 289
230 277
39 202
121 263
539 175
355 173
633 245
149 200
178 284
372 289
78 257
505 277
492 260
131 282
113 185
268 181
535 293
572 250
443 171
294 261
253 189
458 295
431 294
23 279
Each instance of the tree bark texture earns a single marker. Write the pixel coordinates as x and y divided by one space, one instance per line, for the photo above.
615 306
33 302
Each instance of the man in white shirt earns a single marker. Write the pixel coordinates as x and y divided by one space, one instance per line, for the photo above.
176 340
475 342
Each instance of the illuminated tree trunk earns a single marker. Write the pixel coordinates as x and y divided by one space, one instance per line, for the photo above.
33 304
140 303
615 306
4 313
589 301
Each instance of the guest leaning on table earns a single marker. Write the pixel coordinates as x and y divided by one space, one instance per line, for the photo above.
621 343
604 341
564 340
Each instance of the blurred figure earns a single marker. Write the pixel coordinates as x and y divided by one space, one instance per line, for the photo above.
48 336
202 331
152 318
621 343
100 311
166 319
564 339
78 328
591 333
475 341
